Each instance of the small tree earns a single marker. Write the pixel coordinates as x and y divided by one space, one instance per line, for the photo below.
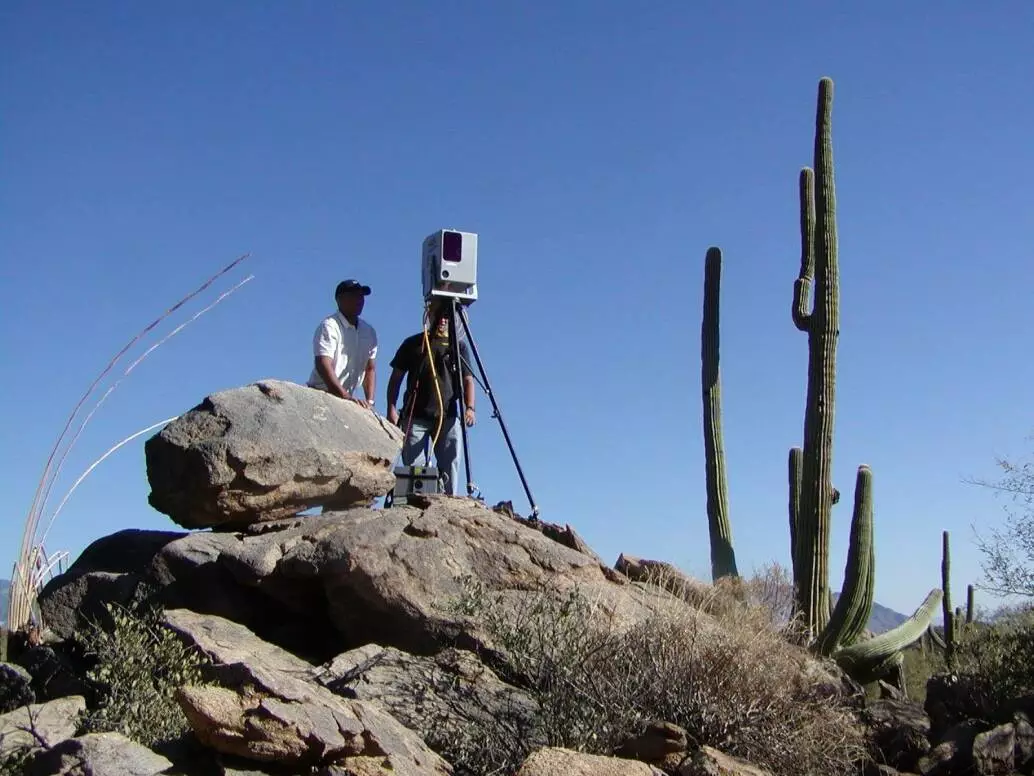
1008 551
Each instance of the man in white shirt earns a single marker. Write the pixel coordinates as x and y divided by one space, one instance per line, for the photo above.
344 347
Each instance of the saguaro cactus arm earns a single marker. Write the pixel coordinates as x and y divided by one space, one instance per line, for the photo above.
794 506
723 557
854 606
865 658
801 311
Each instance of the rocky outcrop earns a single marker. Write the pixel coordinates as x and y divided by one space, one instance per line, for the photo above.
268 451
353 642
385 576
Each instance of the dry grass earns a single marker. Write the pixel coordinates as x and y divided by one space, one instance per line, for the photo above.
729 678
33 566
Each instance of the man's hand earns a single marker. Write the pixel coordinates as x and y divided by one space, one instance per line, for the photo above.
393 416
468 416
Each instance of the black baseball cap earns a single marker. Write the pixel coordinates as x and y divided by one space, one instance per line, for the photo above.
347 286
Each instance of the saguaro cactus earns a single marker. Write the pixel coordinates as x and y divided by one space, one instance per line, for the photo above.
723 557
950 637
833 631
822 325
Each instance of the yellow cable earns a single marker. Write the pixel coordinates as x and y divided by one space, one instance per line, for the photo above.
434 377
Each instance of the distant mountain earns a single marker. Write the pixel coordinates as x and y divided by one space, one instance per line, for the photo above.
5 586
883 618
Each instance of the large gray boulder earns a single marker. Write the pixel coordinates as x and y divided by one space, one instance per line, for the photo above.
268 451
389 576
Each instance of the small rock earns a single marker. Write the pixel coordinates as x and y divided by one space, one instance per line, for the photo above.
15 687
994 751
564 762
899 730
707 761
1024 752
662 744
98 754
953 753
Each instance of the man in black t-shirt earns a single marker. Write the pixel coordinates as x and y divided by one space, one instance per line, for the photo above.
420 405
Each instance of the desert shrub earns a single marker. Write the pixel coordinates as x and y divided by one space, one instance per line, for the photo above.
920 663
15 761
729 678
1000 656
137 665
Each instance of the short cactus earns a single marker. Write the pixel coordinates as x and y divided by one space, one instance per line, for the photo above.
723 557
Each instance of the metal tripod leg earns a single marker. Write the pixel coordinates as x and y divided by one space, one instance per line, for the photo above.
458 310
457 376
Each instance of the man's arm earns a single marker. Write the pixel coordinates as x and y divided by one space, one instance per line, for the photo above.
324 347
370 380
394 386
325 368
400 364
468 385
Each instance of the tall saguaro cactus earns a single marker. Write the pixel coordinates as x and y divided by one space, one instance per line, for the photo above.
822 325
835 630
723 557
950 637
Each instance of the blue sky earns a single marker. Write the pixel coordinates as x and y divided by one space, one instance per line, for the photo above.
598 149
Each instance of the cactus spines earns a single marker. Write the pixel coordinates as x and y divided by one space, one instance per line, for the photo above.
946 610
822 325
723 557
854 606
864 660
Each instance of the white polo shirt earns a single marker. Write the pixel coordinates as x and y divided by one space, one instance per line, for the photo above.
349 348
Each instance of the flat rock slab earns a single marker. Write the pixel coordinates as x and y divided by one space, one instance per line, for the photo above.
40 724
267 451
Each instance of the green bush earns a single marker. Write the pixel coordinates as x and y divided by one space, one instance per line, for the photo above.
138 664
1000 655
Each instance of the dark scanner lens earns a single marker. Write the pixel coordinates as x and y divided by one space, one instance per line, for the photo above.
452 247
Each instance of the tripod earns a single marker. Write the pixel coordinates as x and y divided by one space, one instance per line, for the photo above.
458 312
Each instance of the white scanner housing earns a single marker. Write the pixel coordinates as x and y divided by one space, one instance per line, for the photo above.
449 264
